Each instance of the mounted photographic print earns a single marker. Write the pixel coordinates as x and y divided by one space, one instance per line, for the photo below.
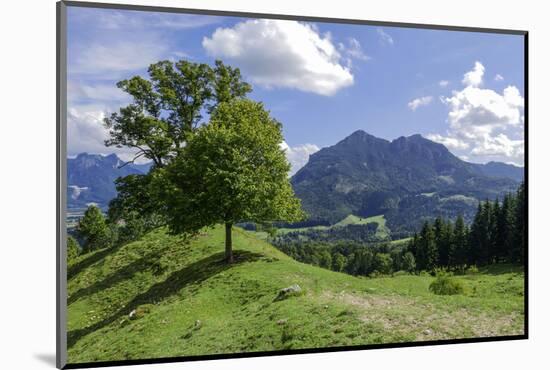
235 184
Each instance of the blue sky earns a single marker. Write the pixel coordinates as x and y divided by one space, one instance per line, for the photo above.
321 80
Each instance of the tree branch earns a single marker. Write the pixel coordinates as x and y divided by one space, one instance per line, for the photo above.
132 161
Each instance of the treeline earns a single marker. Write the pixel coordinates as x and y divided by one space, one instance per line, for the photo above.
496 235
355 233
352 257
96 231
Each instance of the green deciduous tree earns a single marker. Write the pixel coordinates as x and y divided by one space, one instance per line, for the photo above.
165 110
338 262
168 107
73 249
232 170
383 263
93 230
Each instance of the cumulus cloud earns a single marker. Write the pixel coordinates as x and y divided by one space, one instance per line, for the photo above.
449 142
298 156
498 77
474 77
443 83
280 53
86 133
385 38
419 102
483 123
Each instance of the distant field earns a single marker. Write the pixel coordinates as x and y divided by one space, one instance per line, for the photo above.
400 242
382 231
163 296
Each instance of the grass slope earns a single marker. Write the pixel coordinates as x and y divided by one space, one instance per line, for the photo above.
186 301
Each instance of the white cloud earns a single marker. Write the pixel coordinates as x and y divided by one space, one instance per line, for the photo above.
354 50
483 123
418 102
474 77
449 142
443 83
298 156
385 38
277 53
498 77
78 91
86 133
112 59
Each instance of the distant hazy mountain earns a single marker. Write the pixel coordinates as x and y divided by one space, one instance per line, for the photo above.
408 180
91 177
499 169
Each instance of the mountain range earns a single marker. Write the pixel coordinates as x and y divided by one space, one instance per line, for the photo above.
407 180
91 178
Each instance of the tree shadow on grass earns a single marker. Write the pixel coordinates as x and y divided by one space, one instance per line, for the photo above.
74 270
191 274
124 273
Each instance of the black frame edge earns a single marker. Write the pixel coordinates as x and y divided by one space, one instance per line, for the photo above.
526 182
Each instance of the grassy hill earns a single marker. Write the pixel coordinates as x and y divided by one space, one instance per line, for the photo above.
165 296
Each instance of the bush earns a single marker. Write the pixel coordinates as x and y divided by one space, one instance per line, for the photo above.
401 273
446 284
472 270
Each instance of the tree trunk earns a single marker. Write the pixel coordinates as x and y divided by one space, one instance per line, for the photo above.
228 243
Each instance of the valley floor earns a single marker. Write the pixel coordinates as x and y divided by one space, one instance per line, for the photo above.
163 296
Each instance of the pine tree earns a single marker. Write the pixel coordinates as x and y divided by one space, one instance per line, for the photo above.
518 249
505 229
494 232
438 227
427 248
445 241
459 244
475 238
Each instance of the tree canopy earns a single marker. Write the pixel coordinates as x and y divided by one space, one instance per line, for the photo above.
169 106
165 111
232 170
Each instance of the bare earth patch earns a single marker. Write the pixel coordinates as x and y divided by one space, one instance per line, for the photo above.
425 321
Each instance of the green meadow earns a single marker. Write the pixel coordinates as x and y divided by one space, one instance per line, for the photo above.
164 295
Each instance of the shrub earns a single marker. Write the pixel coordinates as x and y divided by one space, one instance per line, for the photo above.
472 270
401 273
446 284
